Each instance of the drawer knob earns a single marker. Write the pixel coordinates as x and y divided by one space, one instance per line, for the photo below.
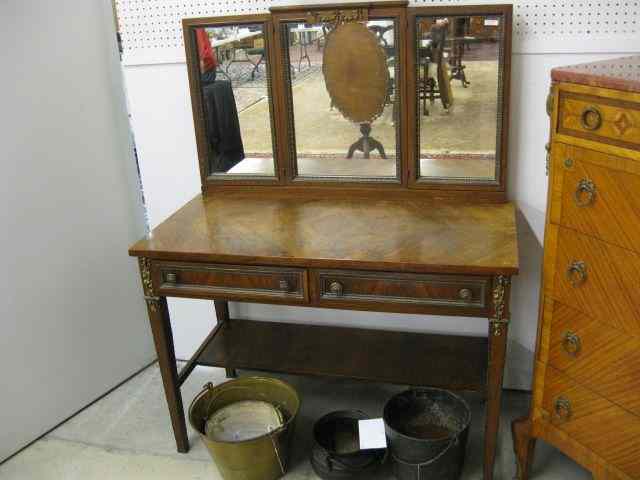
585 193
171 278
465 294
284 285
577 273
571 343
336 288
591 118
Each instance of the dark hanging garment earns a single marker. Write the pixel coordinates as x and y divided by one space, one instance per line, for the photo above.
223 126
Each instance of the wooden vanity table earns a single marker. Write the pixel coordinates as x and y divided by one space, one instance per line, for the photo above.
406 243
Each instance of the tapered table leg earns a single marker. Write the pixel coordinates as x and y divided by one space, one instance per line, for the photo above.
498 330
163 338
222 316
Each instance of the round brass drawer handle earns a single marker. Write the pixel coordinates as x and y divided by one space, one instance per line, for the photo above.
284 285
562 408
577 273
336 288
585 193
465 294
571 343
591 118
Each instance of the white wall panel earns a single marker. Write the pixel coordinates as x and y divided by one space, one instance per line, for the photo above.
73 317
158 88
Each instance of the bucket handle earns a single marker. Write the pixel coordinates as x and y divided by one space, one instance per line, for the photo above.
430 461
209 386
277 452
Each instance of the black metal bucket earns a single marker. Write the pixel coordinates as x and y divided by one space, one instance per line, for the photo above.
427 430
336 452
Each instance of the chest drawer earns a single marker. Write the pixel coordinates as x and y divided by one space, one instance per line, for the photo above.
596 278
606 120
592 195
608 430
596 355
221 281
410 291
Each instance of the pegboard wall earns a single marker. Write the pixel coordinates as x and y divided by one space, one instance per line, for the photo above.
151 31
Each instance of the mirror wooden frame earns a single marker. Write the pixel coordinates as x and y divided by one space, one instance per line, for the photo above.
407 185
189 25
497 184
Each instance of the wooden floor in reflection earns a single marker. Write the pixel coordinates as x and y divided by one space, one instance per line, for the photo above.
477 167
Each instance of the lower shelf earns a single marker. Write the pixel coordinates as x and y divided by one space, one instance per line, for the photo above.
447 361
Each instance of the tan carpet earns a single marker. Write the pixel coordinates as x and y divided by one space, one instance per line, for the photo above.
470 126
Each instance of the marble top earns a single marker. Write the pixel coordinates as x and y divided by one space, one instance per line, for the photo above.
619 74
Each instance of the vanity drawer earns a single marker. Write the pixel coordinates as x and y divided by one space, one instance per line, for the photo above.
596 355
220 281
335 287
596 278
588 193
606 120
605 428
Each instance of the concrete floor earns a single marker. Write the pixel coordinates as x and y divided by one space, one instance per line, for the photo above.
127 435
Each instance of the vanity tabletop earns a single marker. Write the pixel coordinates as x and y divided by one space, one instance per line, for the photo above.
393 235
619 74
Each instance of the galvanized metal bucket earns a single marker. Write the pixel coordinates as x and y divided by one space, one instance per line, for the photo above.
261 458
427 430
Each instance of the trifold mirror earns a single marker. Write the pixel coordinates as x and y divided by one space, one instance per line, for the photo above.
353 94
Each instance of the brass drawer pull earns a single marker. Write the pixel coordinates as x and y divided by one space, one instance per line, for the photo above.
171 277
465 294
562 408
591 118
336 288
577 273
585 193
285 286
571 343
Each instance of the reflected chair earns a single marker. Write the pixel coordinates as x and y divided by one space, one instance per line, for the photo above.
459 39
434 87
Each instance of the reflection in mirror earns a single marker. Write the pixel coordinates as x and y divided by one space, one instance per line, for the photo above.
344 98
458 90
235 88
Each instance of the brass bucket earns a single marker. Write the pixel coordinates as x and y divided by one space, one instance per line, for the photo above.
261 458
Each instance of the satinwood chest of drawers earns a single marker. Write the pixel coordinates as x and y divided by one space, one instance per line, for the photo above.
586 397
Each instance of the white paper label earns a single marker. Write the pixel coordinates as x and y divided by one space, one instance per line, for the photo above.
372 434
491 22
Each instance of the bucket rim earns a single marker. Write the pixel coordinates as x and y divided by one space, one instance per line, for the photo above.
291 418
352 414
466 425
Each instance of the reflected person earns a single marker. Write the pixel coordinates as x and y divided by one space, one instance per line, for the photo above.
207 56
